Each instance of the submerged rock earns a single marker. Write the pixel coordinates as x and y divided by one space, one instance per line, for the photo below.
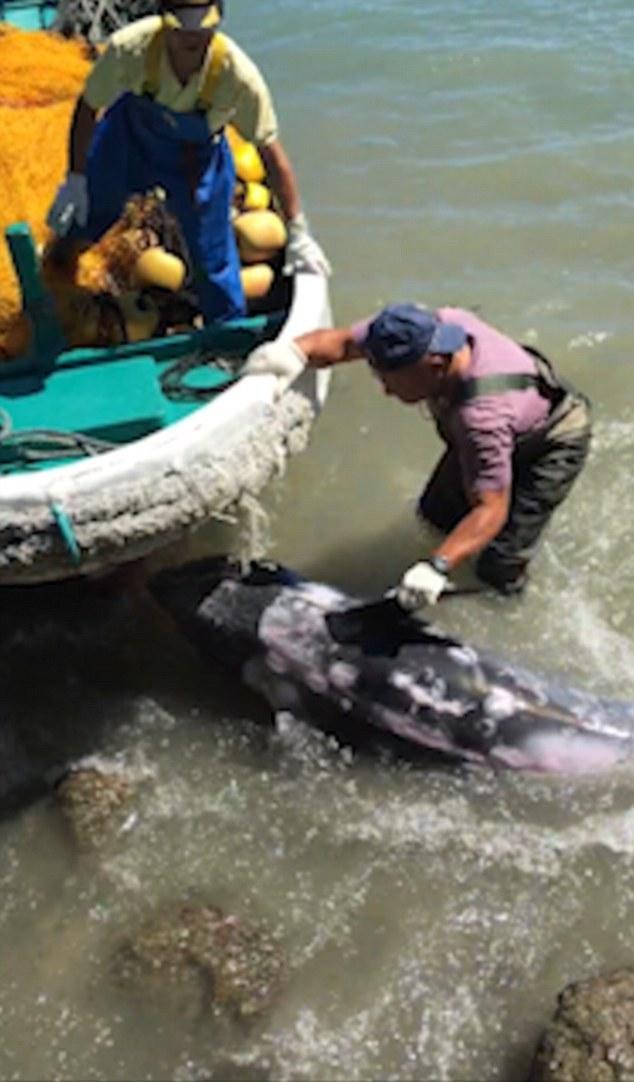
208 961
93 803
591 1036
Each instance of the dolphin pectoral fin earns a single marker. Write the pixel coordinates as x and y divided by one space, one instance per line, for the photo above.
366 621
381 628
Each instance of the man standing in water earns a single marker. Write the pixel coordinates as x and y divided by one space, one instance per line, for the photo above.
169 84
516 436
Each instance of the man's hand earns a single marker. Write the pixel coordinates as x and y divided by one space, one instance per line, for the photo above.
281 358
303 253
421 585
70 205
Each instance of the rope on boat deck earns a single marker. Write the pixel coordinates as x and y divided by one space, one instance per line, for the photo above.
32 445
173 381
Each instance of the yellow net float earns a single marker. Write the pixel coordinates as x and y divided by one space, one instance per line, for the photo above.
261 234
246 157
157 267
141 319
248 163
256 196
256 280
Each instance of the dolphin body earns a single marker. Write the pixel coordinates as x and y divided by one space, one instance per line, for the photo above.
404 677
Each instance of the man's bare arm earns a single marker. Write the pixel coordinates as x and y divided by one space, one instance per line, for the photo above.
81 132
334 345
281 177
478 528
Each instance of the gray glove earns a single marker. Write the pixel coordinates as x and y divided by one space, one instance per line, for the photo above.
303 253
421 585
282 358
70 205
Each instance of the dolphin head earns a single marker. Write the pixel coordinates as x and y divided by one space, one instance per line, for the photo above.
180 590
218 602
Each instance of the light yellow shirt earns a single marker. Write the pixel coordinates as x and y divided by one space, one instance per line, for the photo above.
241 96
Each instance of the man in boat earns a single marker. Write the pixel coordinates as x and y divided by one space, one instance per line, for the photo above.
516 435
153 113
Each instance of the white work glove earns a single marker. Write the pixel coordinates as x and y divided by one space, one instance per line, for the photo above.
421 585
282 358
70 205
303 253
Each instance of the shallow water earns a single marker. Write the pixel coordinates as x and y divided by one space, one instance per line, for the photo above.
455 153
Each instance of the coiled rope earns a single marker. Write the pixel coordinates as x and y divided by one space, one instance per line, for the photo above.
31 445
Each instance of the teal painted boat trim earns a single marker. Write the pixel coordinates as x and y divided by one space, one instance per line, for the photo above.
28 15
65 527
48 339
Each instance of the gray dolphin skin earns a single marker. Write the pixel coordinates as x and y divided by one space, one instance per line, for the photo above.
400 675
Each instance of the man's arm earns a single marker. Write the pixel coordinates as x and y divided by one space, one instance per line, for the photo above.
281 177
81 133
287 358
323 348
424 582
478 528
71 204
303 253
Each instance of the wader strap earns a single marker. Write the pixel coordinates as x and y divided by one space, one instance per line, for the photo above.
497 384
152 81
544 380
219 50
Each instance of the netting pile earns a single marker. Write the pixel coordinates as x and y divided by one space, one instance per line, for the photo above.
42 75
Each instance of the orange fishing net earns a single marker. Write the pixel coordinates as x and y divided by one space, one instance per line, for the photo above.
42 75
39 68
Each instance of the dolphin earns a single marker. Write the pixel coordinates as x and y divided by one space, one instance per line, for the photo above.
399 675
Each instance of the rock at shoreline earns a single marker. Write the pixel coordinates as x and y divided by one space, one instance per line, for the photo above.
93 804
205 961
591 1037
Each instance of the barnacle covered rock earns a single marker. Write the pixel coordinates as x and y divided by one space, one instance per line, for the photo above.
591 1037
203 960
94 804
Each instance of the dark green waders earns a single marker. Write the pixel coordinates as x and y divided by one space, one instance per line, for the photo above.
546 464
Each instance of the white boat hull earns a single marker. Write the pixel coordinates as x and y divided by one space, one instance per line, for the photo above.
129 502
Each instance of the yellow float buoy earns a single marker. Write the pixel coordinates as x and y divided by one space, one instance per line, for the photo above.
141 320
157 267
256 196
234 139
256 280
248 163
260 235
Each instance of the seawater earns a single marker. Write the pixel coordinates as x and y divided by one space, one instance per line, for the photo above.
471 153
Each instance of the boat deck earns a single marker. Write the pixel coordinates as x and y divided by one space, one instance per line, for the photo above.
58 397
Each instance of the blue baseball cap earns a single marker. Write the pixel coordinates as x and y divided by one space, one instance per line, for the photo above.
403 333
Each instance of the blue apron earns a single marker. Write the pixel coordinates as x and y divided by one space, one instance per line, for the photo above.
139 145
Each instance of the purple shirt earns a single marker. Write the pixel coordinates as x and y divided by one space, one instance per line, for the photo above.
484 430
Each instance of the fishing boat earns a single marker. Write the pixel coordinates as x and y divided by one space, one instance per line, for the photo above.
108 454
114 448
